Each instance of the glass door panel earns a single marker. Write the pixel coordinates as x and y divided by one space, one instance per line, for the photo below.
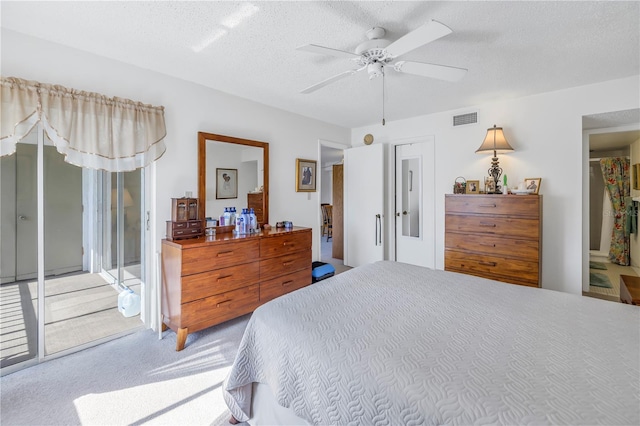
18 255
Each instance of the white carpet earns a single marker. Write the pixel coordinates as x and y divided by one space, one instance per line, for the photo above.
134 380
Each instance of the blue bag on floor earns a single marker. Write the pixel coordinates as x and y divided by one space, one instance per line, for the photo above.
321 271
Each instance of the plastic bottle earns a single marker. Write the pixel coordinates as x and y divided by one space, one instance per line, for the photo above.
253 221
239 225
234 217
227 216
128 303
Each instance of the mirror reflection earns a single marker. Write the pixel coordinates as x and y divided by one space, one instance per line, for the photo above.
233 172
411 197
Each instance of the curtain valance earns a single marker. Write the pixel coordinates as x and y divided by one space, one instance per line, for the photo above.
89 129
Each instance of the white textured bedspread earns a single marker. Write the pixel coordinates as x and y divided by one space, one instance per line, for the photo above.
390 343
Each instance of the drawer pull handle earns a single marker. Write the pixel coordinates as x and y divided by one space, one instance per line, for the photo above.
487 244
225 253
223 303
490 225
487 263
287 263
287 282
224 277
288 243
488 205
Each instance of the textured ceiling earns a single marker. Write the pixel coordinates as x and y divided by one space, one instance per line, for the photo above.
248 49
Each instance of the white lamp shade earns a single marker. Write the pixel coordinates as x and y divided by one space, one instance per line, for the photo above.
495 141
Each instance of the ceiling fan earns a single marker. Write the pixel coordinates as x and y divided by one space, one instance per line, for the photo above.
377 53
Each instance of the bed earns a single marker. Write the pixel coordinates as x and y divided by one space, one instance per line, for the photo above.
391 343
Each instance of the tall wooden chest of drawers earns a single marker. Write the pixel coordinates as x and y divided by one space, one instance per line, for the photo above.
255 201
494 236
210 280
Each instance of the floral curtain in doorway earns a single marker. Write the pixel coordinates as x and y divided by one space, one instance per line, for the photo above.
615 172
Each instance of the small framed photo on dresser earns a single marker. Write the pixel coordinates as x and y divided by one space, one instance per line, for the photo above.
473 187
533 184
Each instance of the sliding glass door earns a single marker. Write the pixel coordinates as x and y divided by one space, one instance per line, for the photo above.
19 255
71 239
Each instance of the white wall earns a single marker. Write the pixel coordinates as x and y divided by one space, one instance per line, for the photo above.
546 132
189 108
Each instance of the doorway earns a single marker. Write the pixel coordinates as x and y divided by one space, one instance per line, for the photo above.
603 143
331 205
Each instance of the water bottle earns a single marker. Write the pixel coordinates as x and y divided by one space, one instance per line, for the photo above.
253 221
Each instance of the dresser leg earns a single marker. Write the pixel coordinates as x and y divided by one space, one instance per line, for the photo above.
181 339
164 327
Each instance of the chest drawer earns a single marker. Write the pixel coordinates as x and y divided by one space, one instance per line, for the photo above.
276 287
217 256
493 267
198 286
492 245
525 205
215 308
498 225
283 265
284 244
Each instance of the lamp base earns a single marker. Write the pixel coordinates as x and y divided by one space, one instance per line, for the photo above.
495 172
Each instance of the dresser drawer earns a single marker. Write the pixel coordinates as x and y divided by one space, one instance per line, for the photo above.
198 286
276 287
285 243
525 205
218 307
283 265
496 225
217 256
493 267
490 245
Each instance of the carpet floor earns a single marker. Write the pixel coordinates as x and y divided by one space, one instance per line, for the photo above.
134 380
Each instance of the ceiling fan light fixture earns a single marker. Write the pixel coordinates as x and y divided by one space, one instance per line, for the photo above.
375 70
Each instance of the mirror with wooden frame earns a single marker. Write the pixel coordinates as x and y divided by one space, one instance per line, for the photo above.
232 172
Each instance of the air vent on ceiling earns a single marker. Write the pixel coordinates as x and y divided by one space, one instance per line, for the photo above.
471 118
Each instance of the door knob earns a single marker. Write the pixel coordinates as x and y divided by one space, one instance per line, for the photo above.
398 214
405 213
21 217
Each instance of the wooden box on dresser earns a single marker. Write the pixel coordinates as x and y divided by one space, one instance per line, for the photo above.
494 236
210 280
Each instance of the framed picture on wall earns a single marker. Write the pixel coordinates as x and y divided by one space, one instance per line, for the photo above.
226 183
305 175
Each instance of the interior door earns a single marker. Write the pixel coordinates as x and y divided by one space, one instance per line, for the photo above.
414 213
364 204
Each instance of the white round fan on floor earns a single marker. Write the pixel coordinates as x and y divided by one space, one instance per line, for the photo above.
378 53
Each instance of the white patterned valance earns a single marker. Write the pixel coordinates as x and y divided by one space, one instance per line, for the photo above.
89 129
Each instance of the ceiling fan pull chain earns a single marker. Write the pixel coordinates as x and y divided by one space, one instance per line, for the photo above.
383 97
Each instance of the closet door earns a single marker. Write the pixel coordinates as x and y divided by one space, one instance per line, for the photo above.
364 196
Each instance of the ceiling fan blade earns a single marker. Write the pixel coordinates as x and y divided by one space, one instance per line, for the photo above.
329 81
313 48
441 72
427 33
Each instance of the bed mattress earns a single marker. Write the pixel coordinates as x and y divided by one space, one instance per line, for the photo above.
391 343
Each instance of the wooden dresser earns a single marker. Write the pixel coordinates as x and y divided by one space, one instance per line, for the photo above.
494 236
256 202
209 280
